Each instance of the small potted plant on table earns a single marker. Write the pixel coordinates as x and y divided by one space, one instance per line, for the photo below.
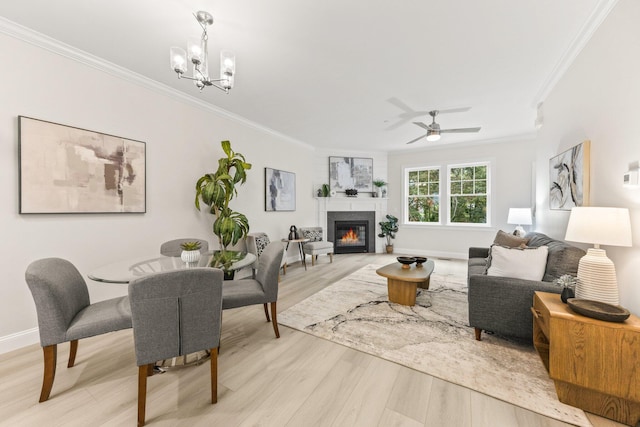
190 252
389 228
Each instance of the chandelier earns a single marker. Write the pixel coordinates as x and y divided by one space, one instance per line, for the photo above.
197 54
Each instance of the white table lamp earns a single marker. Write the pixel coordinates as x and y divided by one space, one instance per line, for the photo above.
519 216
598 226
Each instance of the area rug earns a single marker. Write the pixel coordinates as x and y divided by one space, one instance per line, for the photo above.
433 337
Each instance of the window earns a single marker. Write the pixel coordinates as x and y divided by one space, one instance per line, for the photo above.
468 193
423 195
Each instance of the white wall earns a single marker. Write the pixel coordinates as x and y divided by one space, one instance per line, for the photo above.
599 99
183 143
511 182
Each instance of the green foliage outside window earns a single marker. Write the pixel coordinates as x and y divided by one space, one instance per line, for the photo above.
423 201
468 198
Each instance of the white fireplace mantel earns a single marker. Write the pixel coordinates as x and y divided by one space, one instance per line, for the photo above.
349 204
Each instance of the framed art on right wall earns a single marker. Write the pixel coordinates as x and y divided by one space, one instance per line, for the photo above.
569 178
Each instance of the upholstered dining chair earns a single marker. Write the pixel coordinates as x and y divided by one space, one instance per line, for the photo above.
173 248
173 314
256 242
261 290
66 314
315 246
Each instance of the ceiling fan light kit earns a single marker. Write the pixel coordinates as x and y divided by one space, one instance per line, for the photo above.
197 54
433 129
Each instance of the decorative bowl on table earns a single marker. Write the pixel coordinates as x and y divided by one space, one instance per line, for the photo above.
420 260
406 261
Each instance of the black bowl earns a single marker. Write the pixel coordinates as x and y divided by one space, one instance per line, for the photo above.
406 260
420 260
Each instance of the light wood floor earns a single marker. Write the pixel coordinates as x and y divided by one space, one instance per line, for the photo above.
297 380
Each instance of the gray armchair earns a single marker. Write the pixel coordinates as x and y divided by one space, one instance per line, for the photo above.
175 313
316 246
66 314
261 290
173 248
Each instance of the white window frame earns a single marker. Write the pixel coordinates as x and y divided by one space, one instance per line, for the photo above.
405 203
487 164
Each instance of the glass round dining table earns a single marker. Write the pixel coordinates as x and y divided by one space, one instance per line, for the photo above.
127 270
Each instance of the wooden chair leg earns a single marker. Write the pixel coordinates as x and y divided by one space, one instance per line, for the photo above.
142 392
313 260
50 354
331 257
478 332
73 349
266 312
274 319
214 375
284 268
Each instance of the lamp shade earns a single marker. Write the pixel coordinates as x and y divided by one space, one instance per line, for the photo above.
519 216
599 226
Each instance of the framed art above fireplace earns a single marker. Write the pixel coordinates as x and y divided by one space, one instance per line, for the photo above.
346 173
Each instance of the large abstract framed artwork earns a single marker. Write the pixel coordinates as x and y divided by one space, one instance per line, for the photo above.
350 172
65 169
279 190
569 178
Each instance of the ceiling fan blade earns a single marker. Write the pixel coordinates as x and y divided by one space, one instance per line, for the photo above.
454 110
461 130
422 125
417 139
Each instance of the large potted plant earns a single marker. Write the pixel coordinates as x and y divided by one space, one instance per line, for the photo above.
389 228
216 190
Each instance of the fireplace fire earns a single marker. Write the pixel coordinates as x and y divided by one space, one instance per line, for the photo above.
351 236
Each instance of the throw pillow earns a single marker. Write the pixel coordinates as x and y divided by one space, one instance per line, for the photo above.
509 240
519 263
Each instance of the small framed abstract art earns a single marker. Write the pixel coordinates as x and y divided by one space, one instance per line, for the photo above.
279 190
569 178
347 173
64 169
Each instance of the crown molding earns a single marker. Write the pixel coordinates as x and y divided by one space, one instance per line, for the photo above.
598 15
35 38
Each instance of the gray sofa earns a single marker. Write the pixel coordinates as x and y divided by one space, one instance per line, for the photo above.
502 304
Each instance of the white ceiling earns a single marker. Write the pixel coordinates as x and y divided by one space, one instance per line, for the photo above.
344 74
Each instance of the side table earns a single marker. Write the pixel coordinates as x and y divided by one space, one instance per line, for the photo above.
594 364
300 242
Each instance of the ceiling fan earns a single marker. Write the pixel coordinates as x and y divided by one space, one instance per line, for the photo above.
433 129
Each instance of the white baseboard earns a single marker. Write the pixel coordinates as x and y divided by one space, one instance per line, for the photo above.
18 340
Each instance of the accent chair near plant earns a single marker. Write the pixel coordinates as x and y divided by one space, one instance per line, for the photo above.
175 313
66 314
502 280
261 290
173 247
256 243
315 246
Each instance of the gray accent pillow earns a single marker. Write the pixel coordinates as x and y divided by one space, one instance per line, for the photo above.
509 240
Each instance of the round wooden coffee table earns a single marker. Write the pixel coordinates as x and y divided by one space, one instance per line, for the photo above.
402 283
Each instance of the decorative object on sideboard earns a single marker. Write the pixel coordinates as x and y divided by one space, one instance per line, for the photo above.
598 226
190 252
279 190
351 192
406 261
389 228
216 190
351 173
569 178
568 284
519 217
198 54
378 183
293 233
63 169
599 310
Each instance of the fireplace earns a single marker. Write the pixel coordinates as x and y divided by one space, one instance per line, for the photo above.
352 231
351 236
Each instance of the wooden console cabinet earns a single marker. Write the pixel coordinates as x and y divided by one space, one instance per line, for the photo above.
595 365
